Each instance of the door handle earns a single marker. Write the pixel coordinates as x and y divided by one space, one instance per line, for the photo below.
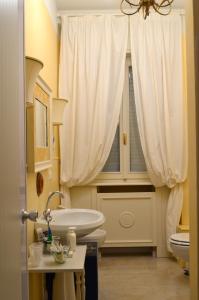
124 139
29 215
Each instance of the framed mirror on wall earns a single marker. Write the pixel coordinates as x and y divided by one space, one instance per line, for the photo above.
39 128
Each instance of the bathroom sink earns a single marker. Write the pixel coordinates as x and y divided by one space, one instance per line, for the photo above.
85 221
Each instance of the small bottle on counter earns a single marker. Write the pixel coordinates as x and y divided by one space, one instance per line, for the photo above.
71 238
40 234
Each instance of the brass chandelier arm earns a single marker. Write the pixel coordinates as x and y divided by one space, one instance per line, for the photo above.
130 3
130 14
126 13
169 2
159 12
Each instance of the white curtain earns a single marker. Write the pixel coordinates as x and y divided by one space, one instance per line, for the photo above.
156 48
92 62
64 286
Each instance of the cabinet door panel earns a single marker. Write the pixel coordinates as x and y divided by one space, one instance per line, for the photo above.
130 218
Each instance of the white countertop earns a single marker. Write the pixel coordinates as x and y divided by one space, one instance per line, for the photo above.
73 264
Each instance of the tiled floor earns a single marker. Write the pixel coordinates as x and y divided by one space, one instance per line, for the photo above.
141 278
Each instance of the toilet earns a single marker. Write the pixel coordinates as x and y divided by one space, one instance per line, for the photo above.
98 236
179 243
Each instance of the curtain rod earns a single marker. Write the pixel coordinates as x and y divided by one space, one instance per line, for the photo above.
77 13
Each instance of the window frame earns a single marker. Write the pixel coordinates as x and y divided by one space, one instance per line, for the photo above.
124 176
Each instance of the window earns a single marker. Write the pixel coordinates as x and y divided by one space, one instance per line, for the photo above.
126 160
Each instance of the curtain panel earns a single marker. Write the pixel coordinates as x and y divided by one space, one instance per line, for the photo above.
91 77
156 51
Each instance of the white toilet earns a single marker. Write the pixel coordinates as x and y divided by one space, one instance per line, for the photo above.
99 236
179 243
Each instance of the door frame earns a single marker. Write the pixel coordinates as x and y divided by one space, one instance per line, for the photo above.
192 45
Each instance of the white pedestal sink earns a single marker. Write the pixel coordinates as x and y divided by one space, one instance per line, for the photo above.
84 220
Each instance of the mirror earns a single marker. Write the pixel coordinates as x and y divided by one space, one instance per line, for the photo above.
41 119
39 128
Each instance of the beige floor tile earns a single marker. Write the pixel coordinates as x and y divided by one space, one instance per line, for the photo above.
141 278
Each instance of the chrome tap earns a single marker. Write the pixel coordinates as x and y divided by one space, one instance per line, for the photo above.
52 195
47 210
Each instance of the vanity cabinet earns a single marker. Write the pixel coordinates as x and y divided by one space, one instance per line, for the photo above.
65 271
38 122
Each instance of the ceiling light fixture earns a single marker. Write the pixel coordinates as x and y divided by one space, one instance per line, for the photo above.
163 7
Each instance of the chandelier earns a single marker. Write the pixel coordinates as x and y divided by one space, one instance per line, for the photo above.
163 7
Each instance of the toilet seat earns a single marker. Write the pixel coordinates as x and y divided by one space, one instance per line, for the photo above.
181 239
179 244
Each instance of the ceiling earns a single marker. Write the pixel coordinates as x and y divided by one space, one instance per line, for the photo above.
99 4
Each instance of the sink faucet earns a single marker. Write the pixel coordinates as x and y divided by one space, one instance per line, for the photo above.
47 210
52 195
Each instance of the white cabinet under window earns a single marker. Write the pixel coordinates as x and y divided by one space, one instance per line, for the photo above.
130 219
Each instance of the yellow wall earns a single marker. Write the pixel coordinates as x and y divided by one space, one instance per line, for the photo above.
51 183
35 202
185 210
41 42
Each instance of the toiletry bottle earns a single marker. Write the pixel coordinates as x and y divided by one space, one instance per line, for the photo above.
49 239
71 238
